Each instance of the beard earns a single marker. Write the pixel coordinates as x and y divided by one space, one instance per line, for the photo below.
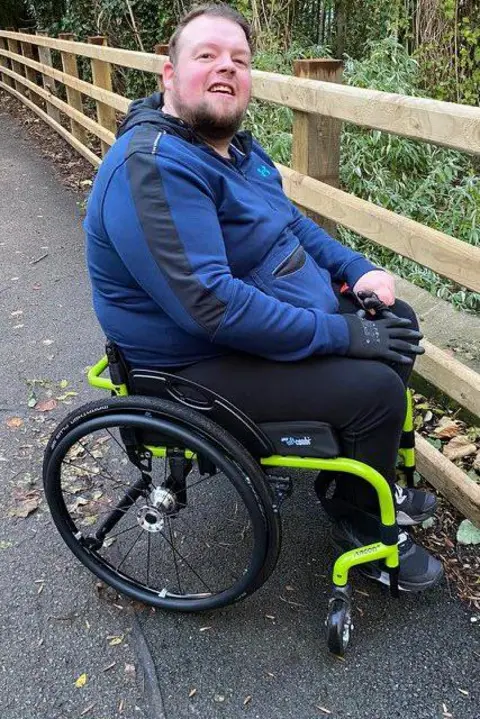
207 124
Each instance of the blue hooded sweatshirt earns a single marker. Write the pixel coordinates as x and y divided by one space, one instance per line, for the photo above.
192 256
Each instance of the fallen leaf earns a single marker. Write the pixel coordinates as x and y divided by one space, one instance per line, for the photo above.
14 422
47 342
204 629
192 693
46 405
23 509
459 447
81 681
63 383
5 544
447 428
219 698
247 700
114 641
130 670
463 691
66 395
467 533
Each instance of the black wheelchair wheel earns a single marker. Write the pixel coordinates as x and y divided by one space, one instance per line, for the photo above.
339 624
115 508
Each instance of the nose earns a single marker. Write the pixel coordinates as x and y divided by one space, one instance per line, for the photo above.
226 65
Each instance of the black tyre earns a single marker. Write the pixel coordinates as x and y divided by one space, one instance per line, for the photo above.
217 549
339 626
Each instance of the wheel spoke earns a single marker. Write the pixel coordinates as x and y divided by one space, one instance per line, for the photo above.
132 546
184 560
174 555
96 474
204 542
128 529
149 541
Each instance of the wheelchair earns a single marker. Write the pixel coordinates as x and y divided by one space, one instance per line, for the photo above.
119 484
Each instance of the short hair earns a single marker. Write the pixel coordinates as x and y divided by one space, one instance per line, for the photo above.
213 10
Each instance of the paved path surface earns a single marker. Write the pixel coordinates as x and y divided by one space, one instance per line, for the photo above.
415 658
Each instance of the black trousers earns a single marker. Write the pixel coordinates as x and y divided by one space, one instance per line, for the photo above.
364 400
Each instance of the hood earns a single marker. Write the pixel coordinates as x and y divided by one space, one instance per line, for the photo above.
148 110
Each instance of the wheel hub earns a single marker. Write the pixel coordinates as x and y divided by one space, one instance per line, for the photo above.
151 516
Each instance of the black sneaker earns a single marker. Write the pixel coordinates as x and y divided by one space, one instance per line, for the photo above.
418 569
413 506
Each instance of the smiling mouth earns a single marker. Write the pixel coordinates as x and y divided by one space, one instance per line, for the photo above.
222 90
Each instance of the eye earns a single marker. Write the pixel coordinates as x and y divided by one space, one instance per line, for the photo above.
206 55
242 63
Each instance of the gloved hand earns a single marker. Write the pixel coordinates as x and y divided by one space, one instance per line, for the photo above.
388 338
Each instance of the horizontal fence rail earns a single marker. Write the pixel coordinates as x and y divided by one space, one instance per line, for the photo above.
313 101
443 123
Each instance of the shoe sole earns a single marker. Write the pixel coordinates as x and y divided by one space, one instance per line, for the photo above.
383 577
408 520
405 520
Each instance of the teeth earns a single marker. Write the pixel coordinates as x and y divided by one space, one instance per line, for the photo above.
221 88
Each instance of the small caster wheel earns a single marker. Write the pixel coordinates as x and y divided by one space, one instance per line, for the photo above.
339 625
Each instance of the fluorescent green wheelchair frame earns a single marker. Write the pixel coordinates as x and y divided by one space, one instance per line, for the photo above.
338 622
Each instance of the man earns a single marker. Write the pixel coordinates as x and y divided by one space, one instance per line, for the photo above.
202 266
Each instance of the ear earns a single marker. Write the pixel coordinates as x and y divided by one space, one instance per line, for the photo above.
168 73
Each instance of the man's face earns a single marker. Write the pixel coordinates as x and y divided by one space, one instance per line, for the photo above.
210 85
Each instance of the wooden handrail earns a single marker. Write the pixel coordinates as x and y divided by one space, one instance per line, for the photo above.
443 123
81 149
446 255
118 102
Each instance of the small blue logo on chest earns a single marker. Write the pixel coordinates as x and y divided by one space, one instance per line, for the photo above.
264 171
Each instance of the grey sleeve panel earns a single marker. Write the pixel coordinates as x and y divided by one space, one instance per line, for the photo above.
162 237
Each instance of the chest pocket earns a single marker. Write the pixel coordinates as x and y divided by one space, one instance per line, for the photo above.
297 279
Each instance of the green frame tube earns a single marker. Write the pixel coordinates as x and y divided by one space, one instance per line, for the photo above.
352 558
408 455
96 380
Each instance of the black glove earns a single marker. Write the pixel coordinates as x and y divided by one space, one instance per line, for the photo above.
388 338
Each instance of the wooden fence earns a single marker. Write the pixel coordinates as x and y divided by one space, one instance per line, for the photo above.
320 103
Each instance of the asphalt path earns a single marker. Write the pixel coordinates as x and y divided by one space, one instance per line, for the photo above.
266 657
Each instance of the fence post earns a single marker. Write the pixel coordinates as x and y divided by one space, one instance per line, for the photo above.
17 67
5 62
74 97
160 49
102 77
31 74
45 57
316 138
